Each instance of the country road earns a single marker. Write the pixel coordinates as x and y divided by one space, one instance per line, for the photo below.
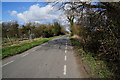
54 59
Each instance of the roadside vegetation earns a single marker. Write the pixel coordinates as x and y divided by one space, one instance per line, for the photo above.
17 38
16 49
95 68
96 27
12 32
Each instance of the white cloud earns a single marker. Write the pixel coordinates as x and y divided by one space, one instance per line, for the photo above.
40 14
13 13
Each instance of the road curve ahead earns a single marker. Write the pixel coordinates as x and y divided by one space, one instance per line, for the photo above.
53 59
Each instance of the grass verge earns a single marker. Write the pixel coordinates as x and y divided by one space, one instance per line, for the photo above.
12 50
97 68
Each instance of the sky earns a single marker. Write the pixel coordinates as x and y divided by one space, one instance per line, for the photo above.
40 12
59 0
20 7
34 11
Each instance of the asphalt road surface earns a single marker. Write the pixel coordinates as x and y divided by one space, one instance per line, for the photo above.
53 59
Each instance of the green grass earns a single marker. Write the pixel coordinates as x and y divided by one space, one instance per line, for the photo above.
10 51
6 42
97 67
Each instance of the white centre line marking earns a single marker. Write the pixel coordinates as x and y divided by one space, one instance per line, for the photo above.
65 57
66 47
64 70
25 55
8 63
65 51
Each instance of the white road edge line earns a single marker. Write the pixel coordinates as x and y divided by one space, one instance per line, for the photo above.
64 70
43 44
36 48
8 63
65 57
25 55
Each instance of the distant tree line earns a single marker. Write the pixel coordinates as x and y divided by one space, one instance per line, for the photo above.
30 30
